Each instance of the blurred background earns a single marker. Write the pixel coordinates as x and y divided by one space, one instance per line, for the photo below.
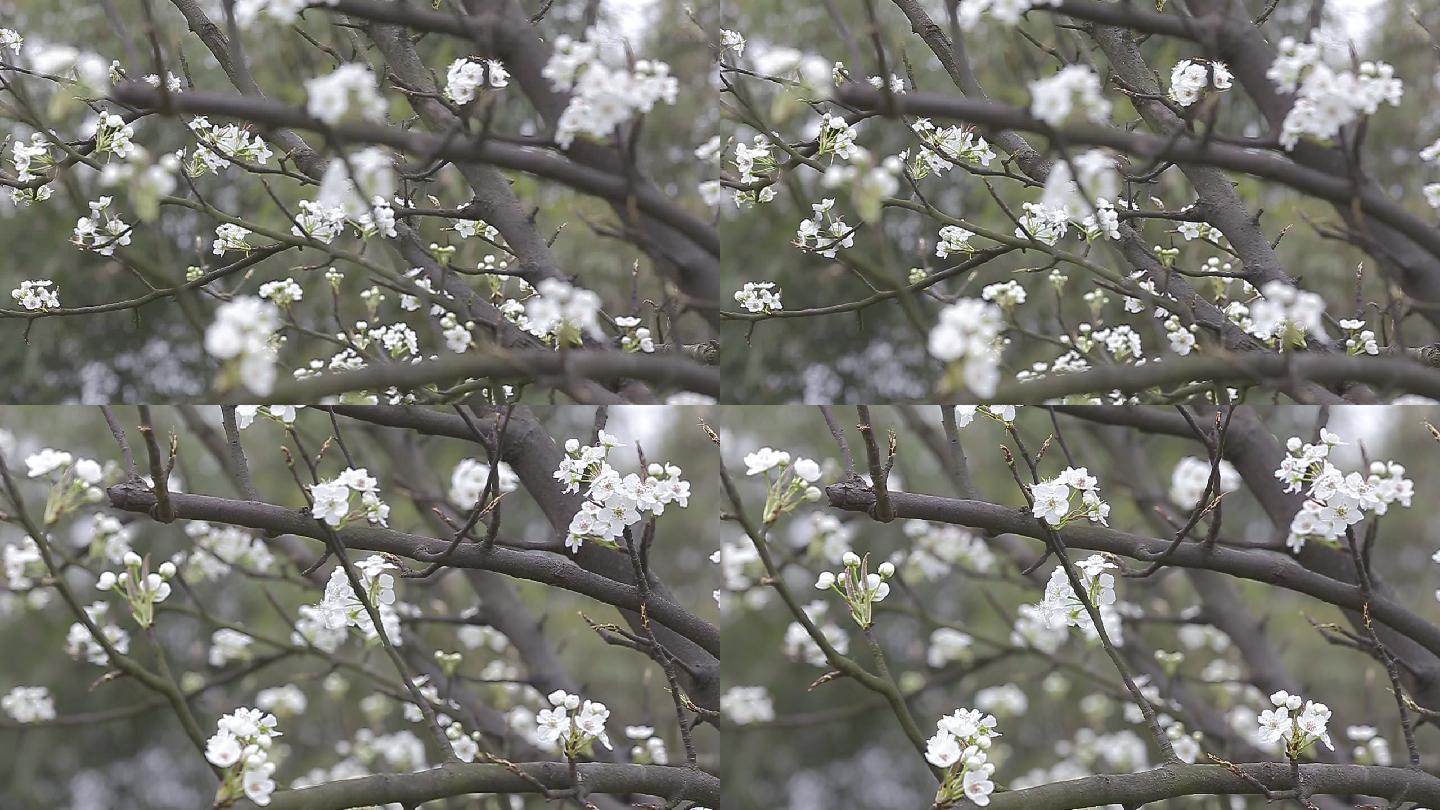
836 746
110 752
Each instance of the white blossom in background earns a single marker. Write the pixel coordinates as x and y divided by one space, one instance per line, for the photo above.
350 86
1295 728
744 705
825 232
961 748
1008 12
11 40
731 41
466 76
563 312
241 747
1074 88
947 645
1187 482
113 135
799 646
242 332
1191 78
1330 92
606 88
1370 748
362 175
1334 500
227 645
218 145
468 480
319 222
1287 315
1043 224
761 297
284 701
1094 179
28 704
966 335
80 643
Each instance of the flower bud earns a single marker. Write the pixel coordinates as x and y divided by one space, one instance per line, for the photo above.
107 581
131 559
887 569
825 582
850 558
167 569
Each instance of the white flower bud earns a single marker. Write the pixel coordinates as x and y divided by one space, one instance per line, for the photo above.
167 569
107 581
825 581
850 558
886 569
131 559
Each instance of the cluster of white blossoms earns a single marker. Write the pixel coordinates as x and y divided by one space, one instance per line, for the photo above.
365 174
281 292
634 337
242 332
36 295
791 483
961 746
1191 475
606 88
333 499
1329 94
1062 606
572 725
563 313
1052 498
1335 500
1190 78
761 297
869 181
467 75
1296 732
967 335
1073 88
468 480
142 588
229 236
28 704
1358 339
944 146
825 232
614 502
836 137
953 239
319 222
751 162
325 625
74 482
113 135
858 586
218 145
30 158
745 705
1287 316
350 86
102 231
12 40
1042 223
287 700
1370 748
241 748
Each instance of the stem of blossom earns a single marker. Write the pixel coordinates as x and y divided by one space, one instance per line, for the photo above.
121 661
1077 584
847 666
879 472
